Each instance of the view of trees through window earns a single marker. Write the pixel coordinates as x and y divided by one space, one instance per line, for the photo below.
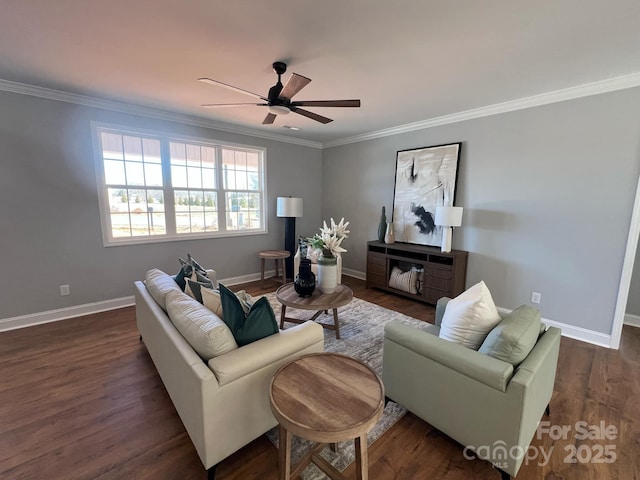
193 188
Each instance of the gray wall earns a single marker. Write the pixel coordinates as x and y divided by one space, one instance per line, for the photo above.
548 194
49 218
633 303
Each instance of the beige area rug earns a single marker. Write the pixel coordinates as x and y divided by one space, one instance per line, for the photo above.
361 336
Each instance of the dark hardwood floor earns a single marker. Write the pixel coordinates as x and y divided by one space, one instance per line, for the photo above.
80 399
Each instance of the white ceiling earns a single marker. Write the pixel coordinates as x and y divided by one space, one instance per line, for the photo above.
407 60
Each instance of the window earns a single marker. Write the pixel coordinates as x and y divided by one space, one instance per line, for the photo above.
157 187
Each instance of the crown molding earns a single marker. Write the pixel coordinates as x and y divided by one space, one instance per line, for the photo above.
579 91
87 101
588 89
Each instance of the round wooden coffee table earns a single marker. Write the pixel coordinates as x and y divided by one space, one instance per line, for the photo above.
325 398
318 301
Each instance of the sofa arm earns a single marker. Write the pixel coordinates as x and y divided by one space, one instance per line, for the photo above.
482 368
254 356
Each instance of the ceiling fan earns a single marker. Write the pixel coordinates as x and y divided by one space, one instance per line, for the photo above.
279 98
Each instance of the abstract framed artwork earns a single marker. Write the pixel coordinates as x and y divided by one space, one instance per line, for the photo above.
425 178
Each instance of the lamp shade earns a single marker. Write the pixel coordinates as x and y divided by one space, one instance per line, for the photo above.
289 207
448 216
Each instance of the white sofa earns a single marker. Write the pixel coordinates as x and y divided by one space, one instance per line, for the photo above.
223 403
314 265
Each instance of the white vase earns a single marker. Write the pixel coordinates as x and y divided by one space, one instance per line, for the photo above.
327 273
390 235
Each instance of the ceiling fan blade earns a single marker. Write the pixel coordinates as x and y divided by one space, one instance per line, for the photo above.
225 105
268 120
230 87
311 115
294 85
327 103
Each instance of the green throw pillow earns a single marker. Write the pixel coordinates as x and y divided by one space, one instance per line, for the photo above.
514 337
257 323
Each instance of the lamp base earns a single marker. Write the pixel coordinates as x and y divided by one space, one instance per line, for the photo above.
289 244
446 239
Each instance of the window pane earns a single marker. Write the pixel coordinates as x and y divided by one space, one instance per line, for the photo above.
179 176
114 172
208 157
253 181
211 221
151 148
120 226
208 178
132 148
135 173
178 153
153 174
194 177
241 180
193 156
111 146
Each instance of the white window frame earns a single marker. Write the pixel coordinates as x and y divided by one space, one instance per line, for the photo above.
171 234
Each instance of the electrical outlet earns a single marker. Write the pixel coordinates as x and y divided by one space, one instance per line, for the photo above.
65 290
536 297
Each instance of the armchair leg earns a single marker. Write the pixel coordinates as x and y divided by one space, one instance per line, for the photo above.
547 410
211 472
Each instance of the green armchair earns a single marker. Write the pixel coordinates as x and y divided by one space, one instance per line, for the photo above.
482 402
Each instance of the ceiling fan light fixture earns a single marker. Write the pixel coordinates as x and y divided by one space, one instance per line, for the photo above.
279 109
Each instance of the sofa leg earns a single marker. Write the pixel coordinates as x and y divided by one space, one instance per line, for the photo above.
211 472
547 410
386 400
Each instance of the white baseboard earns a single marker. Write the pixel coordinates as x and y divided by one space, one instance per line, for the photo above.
30 320
354 273
633 320
578 333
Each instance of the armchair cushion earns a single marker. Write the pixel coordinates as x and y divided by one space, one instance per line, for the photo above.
514 337
469 317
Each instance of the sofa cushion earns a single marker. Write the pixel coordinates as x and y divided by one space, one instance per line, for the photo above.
257 322
159 284
469 317
405 281
514 337
207 334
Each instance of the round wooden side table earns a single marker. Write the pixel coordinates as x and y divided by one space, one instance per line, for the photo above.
278 256
325 398
318 301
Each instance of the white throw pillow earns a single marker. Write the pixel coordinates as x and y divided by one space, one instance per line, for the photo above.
207 334
211 300
469 317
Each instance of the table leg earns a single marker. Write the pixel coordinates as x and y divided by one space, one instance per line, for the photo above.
285 453
262 272
362 458
335 321
282 314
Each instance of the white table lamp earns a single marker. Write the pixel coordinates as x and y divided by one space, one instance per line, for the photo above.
448 217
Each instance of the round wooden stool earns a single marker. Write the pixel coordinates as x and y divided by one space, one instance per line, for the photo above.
278 256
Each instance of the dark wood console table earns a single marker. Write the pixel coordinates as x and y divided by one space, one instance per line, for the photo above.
444 274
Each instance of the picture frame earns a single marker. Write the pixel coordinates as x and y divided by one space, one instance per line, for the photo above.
425 177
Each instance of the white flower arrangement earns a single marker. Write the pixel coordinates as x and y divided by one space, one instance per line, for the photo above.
330 238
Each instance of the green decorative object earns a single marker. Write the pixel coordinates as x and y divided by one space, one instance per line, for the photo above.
382 226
